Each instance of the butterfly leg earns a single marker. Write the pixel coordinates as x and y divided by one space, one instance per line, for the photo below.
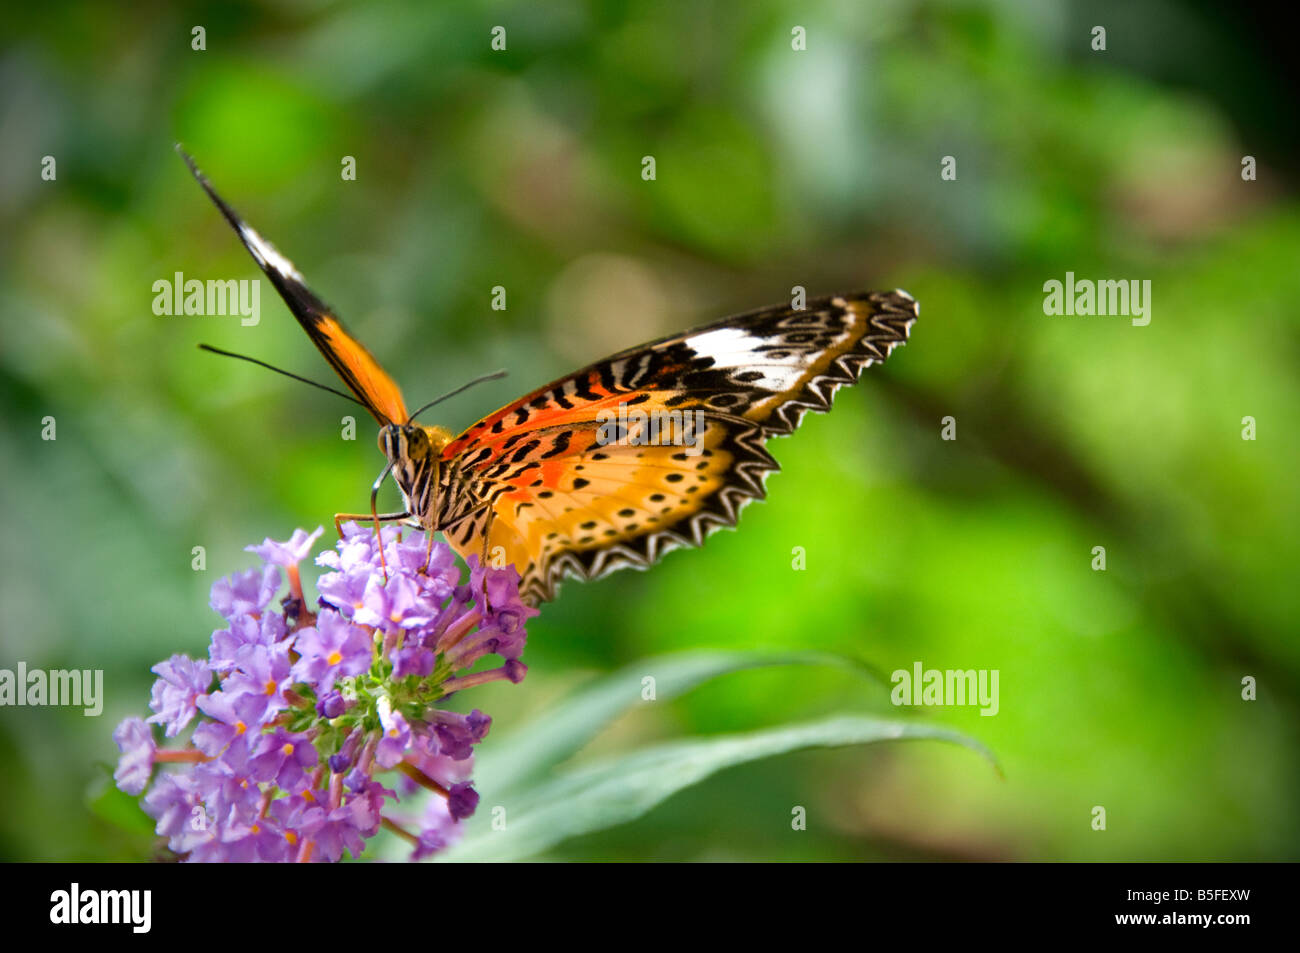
381 517
428 551
374 513
378 518
487 534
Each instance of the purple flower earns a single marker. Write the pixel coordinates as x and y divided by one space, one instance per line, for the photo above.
432 840
396 736
341 762
331 704
262 674
394 606
227 793
177 805
345 591
244 630
289 553
505 609
462 801
334 648
227 736
283 758
181 680
435 572
413 660
457 734
135 740
438 829
331 832
306 711
254 841
245 593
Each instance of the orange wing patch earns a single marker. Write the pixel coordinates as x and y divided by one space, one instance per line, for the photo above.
614 506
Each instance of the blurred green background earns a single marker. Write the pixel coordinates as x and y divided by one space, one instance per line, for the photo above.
775 168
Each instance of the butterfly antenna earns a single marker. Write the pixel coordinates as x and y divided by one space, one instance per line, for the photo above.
495 375
271 367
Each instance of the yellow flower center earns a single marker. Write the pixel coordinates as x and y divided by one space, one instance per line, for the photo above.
287 749
270 687
240 727
334 657
292 838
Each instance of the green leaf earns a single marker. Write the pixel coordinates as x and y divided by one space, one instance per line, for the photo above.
107 802
620 789
502 765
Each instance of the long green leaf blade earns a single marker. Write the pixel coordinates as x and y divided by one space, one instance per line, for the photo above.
621 789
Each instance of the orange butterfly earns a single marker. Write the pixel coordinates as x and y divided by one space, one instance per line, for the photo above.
622 461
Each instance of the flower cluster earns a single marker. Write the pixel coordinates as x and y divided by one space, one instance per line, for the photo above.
296 713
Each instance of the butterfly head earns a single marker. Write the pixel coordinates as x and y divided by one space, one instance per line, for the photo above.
414 451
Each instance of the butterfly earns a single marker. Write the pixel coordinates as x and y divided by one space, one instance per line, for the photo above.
618 463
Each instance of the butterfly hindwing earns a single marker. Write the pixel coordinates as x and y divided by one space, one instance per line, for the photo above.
559 497
615 506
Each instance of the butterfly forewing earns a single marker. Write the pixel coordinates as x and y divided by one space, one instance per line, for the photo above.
351 361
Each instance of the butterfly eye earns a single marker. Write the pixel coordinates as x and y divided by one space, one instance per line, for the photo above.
417 441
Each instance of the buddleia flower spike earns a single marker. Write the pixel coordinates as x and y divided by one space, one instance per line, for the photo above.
307 728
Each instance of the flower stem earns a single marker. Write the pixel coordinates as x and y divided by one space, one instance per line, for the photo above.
400 831
422 779
189 755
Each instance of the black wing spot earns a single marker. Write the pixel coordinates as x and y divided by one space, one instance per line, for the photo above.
558 445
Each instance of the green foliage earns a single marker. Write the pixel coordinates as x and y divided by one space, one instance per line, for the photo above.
620 789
